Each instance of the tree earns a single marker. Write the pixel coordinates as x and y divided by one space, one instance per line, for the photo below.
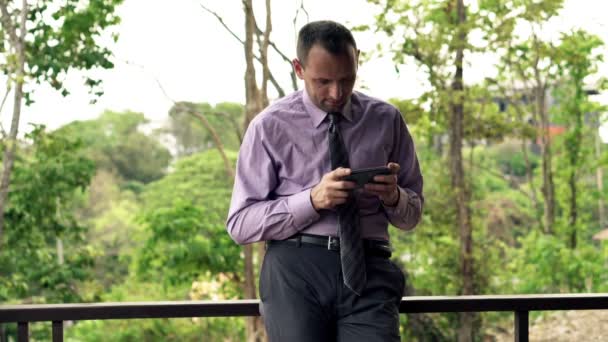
48 174
183 213
438 36
527 72
45 41
191 137
577 59
256 99
442 46
186 245
117 144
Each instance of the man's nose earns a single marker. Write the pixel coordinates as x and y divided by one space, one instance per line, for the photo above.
335 91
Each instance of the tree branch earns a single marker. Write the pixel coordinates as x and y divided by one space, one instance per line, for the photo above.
271 77
294 80
264 54
234 124
221 20
502 176
204 121
295 17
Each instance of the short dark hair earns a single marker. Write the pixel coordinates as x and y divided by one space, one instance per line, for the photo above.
332 36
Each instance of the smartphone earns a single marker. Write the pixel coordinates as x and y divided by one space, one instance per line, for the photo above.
364 176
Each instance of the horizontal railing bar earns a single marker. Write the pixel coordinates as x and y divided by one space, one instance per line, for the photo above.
182 309
126 310
435 304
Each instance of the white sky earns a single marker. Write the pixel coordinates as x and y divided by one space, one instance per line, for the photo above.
197 60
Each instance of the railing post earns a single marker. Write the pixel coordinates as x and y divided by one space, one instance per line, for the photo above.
57 331
23 334
521 326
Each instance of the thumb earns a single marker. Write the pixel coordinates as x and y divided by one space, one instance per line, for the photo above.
340 172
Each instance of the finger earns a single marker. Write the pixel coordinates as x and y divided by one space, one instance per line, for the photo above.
383 188
372 192
338 194
345 185
339 173
335 193
339 201
394 167
341 185
388 179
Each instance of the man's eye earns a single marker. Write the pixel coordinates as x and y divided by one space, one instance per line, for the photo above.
323 82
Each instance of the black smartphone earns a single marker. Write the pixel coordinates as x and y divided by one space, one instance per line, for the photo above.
364 176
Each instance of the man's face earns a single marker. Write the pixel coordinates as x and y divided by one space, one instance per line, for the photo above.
329 79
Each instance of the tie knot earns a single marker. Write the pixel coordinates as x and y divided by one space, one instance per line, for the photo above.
334 117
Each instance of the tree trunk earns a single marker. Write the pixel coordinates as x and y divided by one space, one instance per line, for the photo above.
574 159
463 212
530 178
11 143
574 147
256 100
548 187
599 174
251 96
250 292
573 212
252 92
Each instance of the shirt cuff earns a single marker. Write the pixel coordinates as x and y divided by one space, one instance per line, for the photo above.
301 209
400 206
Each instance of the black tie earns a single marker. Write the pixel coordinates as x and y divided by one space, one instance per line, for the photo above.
351 246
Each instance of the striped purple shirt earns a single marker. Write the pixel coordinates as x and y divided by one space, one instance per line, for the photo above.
285 153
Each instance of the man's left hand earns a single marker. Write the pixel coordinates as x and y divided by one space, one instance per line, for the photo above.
387 190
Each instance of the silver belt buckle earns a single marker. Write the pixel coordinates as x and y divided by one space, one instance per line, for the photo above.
332 243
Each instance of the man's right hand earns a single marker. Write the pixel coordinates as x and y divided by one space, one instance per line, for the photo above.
331 190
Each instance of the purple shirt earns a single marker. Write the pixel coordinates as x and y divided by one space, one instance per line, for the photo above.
285 153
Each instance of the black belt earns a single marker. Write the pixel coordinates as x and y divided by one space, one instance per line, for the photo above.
374 247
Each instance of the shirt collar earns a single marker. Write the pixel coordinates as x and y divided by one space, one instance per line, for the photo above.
318 115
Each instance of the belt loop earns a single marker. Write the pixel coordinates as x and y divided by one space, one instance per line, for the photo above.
332 243
299 241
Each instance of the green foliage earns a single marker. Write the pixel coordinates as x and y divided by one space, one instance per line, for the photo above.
186 253
556 267
114 234
510 158
187 329
44 181
192 136
115 142
65 35
184 214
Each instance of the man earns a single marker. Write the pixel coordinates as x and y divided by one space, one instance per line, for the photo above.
326 275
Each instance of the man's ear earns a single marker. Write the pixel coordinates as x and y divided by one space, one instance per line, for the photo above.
299 69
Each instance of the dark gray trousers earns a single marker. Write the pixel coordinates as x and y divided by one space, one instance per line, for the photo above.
303 297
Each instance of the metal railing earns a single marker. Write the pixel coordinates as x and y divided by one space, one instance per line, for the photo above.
520 305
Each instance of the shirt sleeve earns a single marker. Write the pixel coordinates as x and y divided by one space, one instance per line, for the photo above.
255 214
406 214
